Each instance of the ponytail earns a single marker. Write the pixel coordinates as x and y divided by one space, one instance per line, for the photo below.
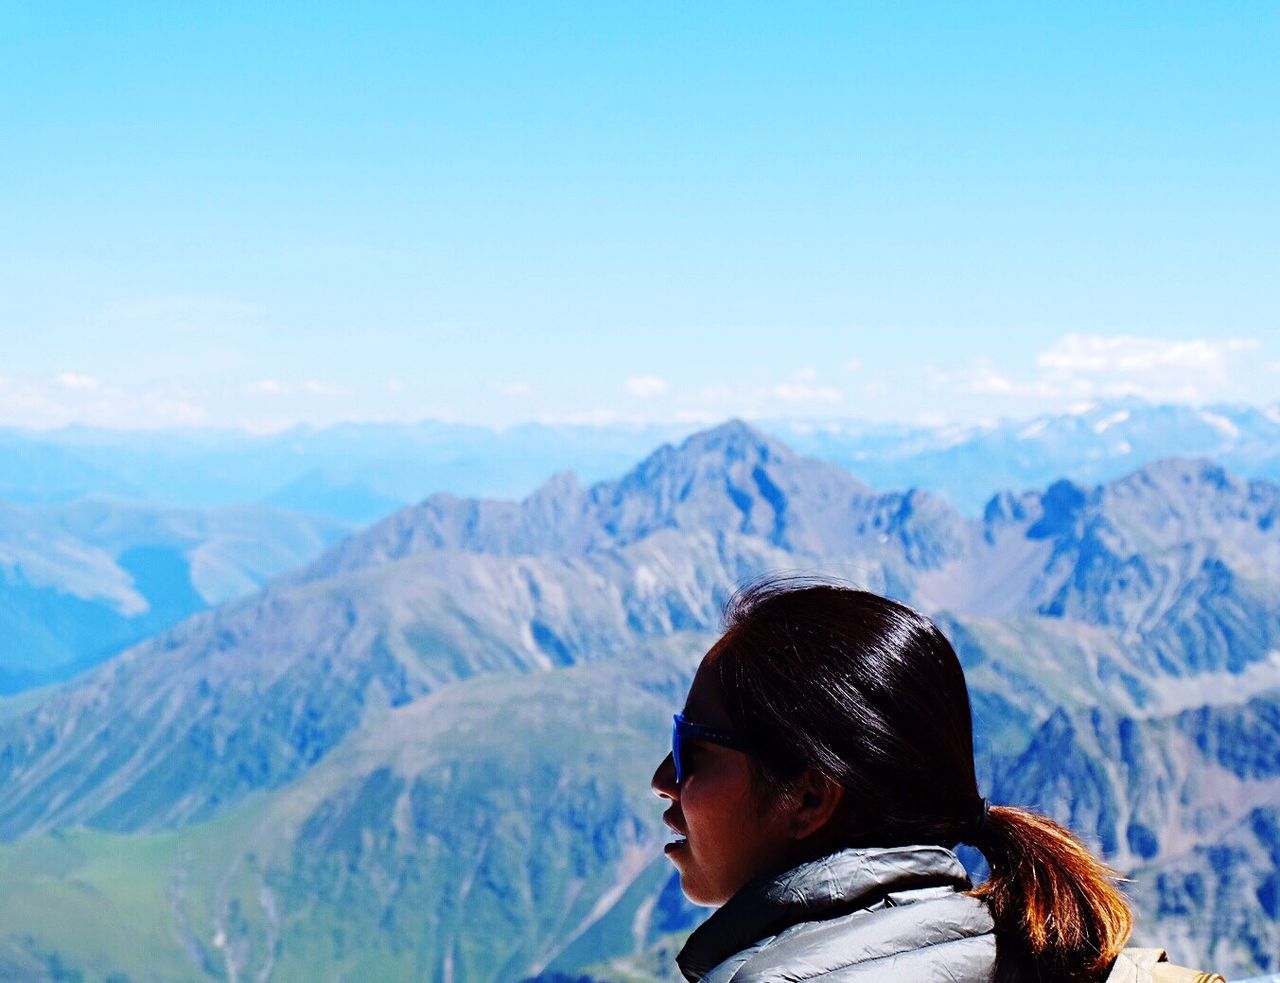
1049 896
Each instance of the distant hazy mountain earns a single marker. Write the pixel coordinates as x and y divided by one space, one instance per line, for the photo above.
362 472
425 754
82 581
1097 442
352 472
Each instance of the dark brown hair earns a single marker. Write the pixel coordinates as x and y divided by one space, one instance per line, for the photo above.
870 693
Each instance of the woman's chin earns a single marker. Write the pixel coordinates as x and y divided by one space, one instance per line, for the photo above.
697 894
695 890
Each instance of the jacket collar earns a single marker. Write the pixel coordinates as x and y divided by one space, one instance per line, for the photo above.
814 891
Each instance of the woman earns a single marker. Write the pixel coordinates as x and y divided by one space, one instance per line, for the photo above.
820 771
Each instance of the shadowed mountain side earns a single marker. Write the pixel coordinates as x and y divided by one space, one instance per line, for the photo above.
1147 790
250 695
1220 897
1180 557
1188 804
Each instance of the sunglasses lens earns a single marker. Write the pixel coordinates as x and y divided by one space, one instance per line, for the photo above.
675 751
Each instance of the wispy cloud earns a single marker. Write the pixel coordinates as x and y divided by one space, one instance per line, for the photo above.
309 387
71 397
1091 354
1092 366
77 381
805 392
646 386
987 380
512 390
319 387
269 387
804 386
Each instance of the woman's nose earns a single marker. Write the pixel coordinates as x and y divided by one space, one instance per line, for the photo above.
663 782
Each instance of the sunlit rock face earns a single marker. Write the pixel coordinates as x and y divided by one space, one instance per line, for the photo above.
426 753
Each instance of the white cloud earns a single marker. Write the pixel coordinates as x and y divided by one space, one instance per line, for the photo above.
803 392
269 387
318 387
851 364
512 390
1088 367
311 387
1091 366
985 379
646 386
1082 354
176 411
395 386
71 398
77 381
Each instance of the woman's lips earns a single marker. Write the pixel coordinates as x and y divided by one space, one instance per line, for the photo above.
681 839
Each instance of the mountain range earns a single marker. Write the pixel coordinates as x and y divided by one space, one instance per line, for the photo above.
425 753
360 472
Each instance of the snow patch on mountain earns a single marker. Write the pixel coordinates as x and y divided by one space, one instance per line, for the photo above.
1221 423
1107 422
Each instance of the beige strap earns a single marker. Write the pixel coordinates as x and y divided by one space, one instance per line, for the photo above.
1169 973
1153 966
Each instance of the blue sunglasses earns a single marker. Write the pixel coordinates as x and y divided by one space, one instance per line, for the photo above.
685 730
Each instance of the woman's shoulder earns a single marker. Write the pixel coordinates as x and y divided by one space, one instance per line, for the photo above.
919 928
937 939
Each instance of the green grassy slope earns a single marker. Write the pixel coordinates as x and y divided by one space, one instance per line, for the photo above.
488 832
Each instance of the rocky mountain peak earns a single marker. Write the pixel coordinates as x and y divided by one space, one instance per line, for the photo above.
733 479
1061 507
736 440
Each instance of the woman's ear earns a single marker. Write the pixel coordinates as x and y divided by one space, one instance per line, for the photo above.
817 798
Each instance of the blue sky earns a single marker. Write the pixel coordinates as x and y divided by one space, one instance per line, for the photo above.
262 214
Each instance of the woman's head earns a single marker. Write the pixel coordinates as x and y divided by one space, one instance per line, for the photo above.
854 715
860 689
